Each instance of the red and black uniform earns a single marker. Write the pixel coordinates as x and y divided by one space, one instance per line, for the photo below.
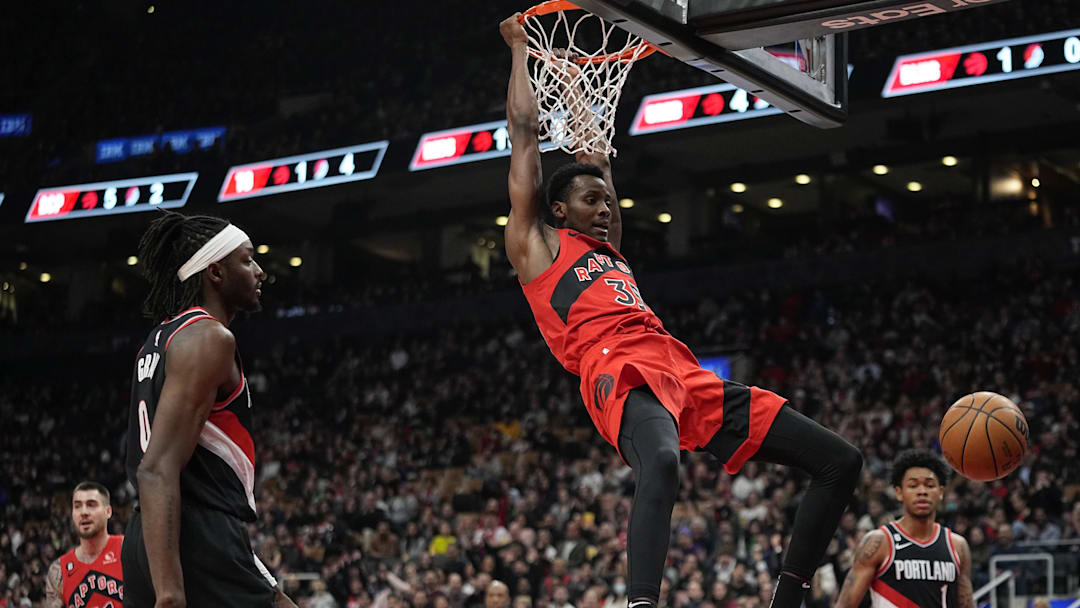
918 573
216 487
99 584
590 312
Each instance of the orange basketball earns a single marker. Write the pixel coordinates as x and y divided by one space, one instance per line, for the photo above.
984 436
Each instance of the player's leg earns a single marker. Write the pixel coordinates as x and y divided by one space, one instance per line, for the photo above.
833 465
649 442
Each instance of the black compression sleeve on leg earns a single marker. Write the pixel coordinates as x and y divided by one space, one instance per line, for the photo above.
649 442
834 465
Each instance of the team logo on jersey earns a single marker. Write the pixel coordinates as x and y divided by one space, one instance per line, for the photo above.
70 567
110 557
604 384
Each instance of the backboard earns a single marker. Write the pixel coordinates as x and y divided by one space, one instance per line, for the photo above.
727 38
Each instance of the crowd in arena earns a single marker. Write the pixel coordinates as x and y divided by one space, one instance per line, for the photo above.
416 470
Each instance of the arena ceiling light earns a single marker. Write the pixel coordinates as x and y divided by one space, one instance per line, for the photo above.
45 277
738 187
664 218
626 203
950 161
22 265
802 179
737 208
1035 183
775 203
501 220
262 249
132 260
296 261
880 170
914 186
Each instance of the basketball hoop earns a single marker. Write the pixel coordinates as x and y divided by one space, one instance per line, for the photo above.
577 89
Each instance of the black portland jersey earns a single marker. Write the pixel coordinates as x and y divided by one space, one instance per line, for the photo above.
221 472
917 574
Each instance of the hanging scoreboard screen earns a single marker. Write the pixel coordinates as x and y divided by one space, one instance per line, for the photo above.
464 145
314 170
107 198
696 107
982 63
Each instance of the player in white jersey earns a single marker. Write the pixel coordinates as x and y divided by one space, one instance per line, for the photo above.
912 562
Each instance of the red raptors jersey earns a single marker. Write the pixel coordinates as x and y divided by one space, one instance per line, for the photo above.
587 294
96 585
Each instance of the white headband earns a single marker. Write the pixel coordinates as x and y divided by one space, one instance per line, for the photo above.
215 250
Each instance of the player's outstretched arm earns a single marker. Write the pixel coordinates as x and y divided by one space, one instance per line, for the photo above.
53 583
872 551
525 245
965 591
200 362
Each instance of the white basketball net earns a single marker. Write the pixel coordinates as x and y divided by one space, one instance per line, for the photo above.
577 98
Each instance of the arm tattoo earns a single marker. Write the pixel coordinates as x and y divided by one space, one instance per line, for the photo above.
868 547
53 586
965 592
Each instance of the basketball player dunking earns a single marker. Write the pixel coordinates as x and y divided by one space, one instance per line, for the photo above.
913 562
644 390
89 575
189 448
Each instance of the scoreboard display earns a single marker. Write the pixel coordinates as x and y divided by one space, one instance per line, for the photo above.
464 145
697 107
314 170
108 198
982 63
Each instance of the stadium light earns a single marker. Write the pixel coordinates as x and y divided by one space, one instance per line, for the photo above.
802 179
45 277
262 249
737 208
738 187
501 220
950 161
664 218
775 203
295 261
1035 183
880 169
914 186
132 260
626 203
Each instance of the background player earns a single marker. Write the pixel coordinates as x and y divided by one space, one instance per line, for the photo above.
190 453
644 390
91 571
913 561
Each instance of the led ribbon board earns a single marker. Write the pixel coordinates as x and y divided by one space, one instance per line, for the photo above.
180 142
982 63
695 107
314 170
107 198
16 125
464 145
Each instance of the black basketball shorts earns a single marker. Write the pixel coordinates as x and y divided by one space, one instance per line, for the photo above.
216 557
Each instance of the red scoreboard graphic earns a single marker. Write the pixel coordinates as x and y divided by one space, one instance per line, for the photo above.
108 198
985 62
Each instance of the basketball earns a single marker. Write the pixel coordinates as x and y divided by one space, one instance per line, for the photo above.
984 436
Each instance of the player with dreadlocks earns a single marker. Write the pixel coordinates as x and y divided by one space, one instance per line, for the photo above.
189 449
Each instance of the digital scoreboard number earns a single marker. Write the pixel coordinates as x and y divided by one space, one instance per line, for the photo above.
464 145
314 170
108 198
982 63
696 107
